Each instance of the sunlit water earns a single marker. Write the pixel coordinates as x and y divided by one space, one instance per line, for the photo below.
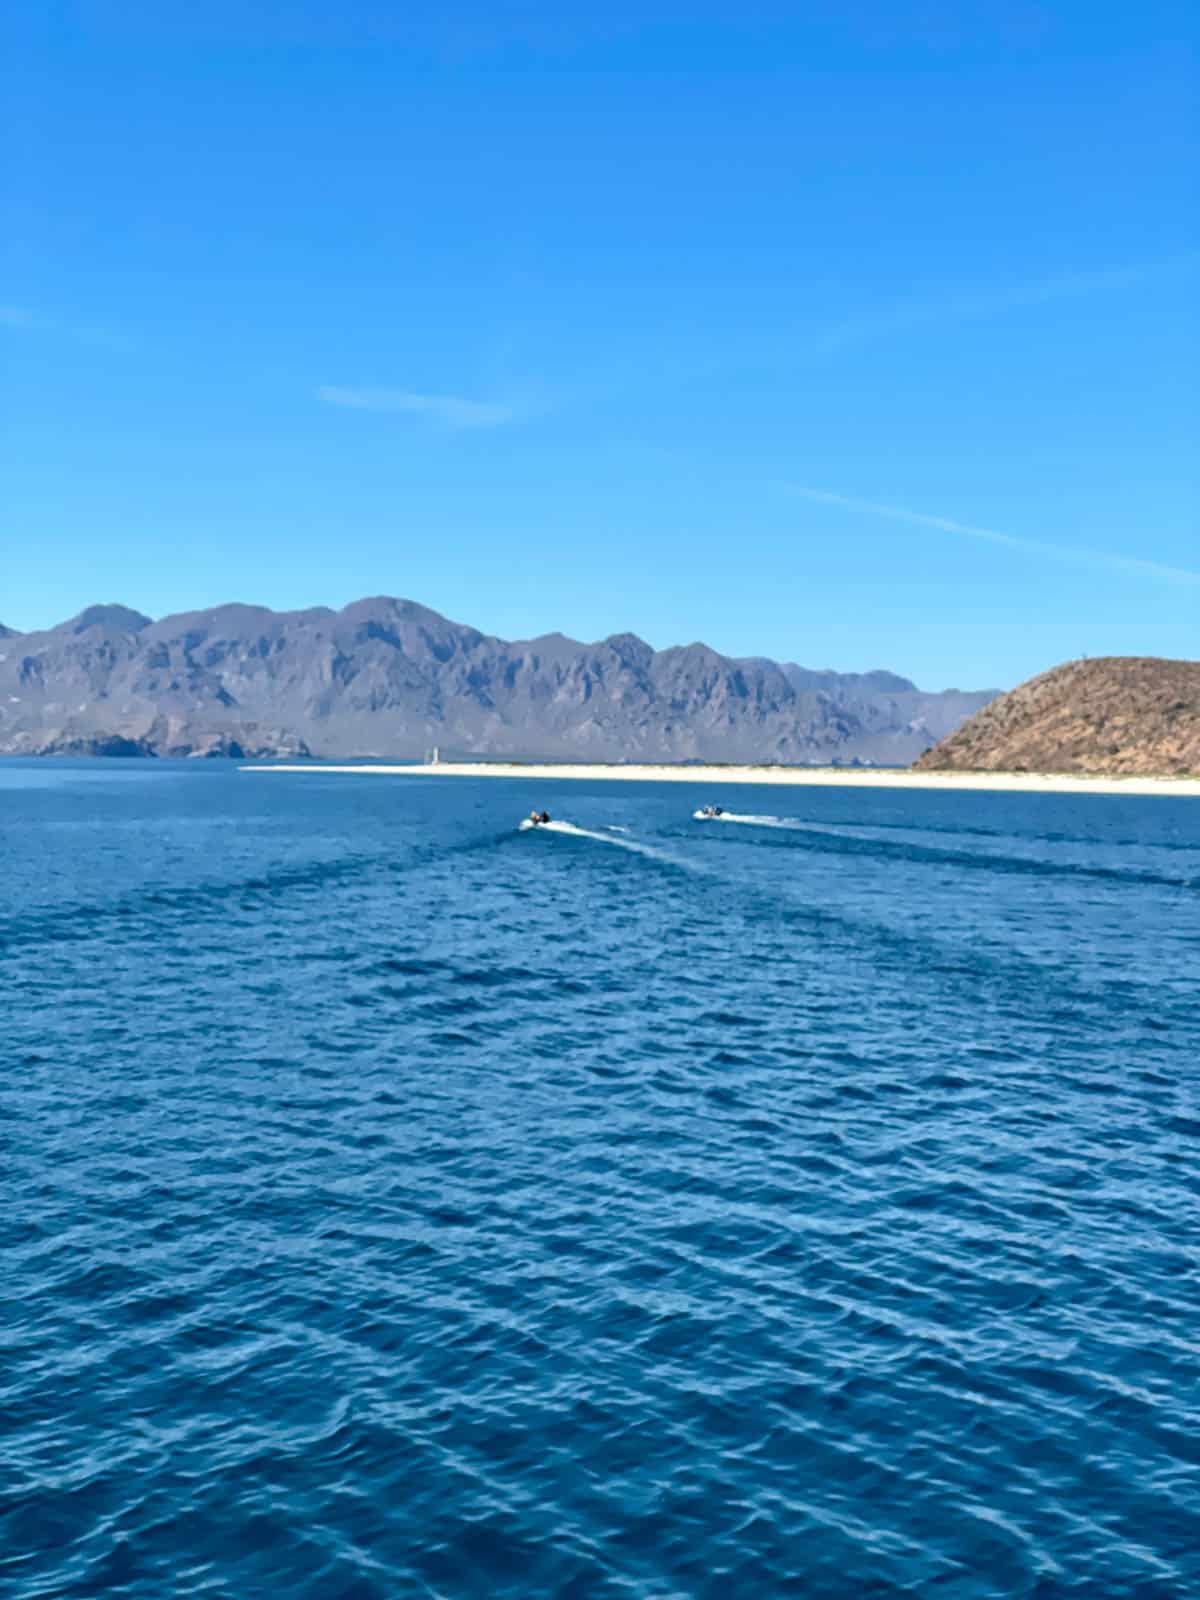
399 1203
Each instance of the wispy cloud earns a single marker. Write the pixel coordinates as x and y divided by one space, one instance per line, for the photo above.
966 530
972 305
22 320
450 409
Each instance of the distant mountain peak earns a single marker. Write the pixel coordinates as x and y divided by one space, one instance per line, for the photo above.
119 619
629 647
375 606
546 640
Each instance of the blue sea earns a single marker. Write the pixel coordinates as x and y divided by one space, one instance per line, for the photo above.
396 1203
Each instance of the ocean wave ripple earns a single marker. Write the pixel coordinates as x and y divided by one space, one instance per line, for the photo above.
400 1205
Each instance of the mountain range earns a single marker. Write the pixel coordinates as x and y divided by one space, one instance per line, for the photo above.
389 678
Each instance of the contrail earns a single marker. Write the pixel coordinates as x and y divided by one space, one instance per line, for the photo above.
966 530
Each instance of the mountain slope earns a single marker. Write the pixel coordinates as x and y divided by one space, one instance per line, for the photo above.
387 677
1112 715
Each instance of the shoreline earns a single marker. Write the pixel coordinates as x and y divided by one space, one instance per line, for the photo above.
781 777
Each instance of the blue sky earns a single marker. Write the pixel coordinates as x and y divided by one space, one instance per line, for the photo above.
854 334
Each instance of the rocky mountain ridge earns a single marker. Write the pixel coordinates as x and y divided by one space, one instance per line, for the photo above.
389 678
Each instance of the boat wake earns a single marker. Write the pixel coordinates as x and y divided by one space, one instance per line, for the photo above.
862 840
750 821
569 828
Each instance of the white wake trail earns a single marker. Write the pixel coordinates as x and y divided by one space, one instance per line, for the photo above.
792 825
750 821
528 825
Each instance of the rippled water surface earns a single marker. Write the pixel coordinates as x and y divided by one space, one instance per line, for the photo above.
397 1203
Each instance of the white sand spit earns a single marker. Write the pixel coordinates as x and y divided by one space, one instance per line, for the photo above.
816 777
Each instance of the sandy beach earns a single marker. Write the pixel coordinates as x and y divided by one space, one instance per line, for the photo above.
714 778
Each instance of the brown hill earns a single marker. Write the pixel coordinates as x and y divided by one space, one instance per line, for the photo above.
1116 714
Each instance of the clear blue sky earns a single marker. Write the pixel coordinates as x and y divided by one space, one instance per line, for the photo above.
855 334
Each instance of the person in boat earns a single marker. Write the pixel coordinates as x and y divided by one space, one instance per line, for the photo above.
712 811
538 817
